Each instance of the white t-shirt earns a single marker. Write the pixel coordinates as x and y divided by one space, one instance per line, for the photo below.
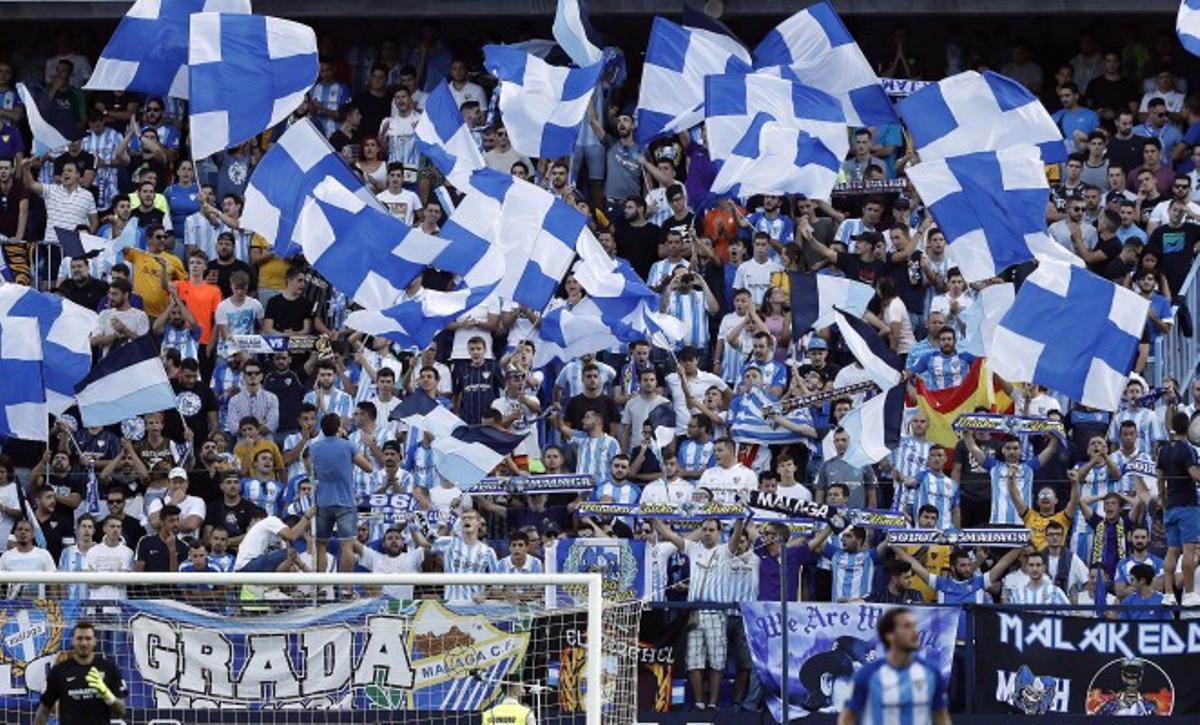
8 497
409 562
1161 214
403 205
442 499
526 422
705 570
105 558
462 335
726 483
33 560
697 386
755 277
261 538
897 312
672 492
191 506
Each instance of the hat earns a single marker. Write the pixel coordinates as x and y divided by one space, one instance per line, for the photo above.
1114 197
818 343
866 236
902 203
178 472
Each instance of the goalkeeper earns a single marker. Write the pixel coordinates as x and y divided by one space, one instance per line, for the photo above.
87 688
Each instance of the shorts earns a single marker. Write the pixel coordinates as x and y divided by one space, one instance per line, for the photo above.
345 518
738 644
706 641
1183 525
593 154
267 562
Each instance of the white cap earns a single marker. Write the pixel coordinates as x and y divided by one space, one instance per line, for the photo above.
177 472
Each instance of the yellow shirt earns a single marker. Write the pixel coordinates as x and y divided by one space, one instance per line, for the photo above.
147 279
508 712
1037 526
272 274
936 561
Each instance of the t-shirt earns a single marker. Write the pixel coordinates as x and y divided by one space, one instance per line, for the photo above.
147 277
884 694
333 466
402 204
727 483
1175 246
238 319
105 558
202 301
66 687
408 562
1174 460
288 315
261 538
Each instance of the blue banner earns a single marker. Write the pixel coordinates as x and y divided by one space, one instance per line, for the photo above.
827 644
369 654
622 564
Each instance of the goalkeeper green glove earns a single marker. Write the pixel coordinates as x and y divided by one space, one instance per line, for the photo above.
95 680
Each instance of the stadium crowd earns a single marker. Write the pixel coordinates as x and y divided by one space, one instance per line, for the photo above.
222 482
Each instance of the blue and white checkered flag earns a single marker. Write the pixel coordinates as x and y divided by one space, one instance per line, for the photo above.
23 411
972 112
246 74
543 105
1073 332
284 178
815 44
573 31
773 158
991 206
413 323
732 101
445 139
148 52
672 93
1187 25
64 329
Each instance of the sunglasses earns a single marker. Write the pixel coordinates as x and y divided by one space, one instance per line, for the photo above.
115 502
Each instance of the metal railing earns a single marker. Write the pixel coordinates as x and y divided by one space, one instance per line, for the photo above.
1175 356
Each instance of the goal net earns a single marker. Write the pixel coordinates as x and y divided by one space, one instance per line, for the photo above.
333 648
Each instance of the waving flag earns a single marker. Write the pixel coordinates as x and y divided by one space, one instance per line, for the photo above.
1187 25
983 317
733 101
542 105
672 93
445 139
52 126
129 381
972 112
819 50
246 74
284 178
64 328
751 425
814 297
370 255
420 410
415 322
565 334
871 351
713 30
470 452
775 159
573 31
148 52
23 410
991 206
979 389
1073 332
80 244
873 427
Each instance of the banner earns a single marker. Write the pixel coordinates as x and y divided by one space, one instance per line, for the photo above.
827 644
367 654
1036 664
624 565
965 538
268 344
901 87
549 483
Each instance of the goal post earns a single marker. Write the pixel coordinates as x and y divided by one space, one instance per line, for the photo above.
301 647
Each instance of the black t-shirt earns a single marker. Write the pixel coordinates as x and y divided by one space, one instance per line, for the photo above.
1174 460
1174 247
202 399
146 217
339 140
289 388
855 268
87 294
78 704
910 281
60 525
1110 248
1113 95
222 272
288 315
132 531
84 162
374 109
236 519
154 552
602 404
671 224
639 245
1126 151
976 483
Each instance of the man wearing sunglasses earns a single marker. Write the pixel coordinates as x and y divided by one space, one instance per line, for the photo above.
154 270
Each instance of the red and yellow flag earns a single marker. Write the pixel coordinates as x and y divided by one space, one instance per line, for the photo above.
943 406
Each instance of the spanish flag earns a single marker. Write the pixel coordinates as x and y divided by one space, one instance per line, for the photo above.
943 406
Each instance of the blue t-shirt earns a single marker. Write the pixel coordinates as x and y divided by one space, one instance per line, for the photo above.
333 464
1135 600
884 694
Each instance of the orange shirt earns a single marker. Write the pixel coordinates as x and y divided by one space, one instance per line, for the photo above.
201 300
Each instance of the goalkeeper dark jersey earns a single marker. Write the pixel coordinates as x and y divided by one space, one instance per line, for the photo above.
78 704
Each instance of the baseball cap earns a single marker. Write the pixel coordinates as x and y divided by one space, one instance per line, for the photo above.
818 343
1114 197
177 472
